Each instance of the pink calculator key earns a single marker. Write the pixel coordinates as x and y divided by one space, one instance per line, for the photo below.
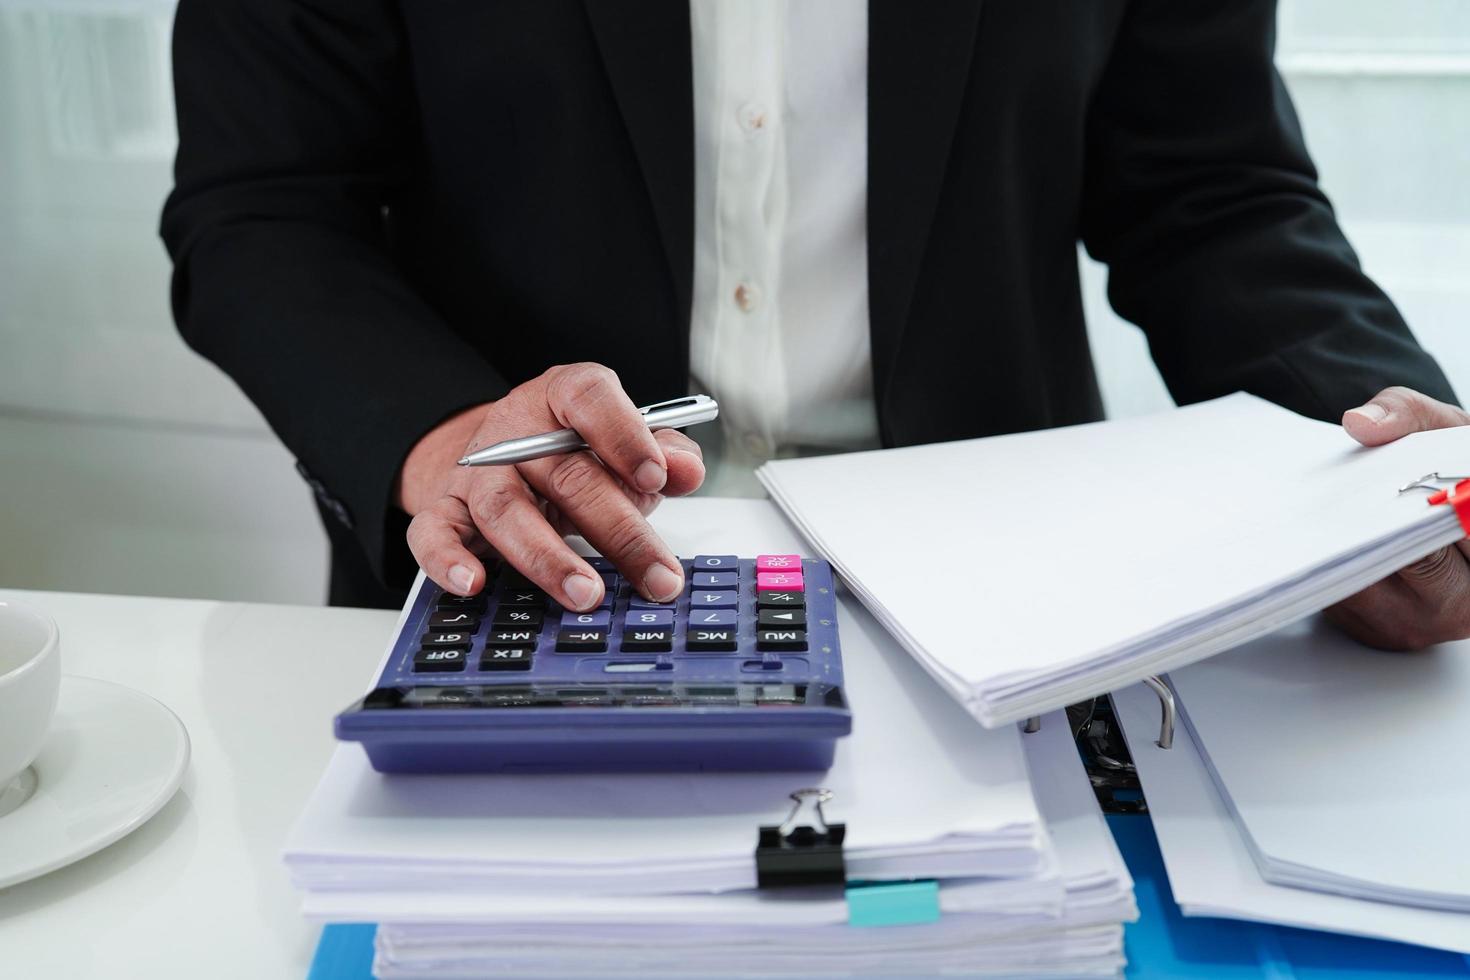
778 563
782 581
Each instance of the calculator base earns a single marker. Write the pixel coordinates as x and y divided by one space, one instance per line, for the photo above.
461 755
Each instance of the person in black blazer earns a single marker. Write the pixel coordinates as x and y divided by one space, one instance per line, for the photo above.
396 224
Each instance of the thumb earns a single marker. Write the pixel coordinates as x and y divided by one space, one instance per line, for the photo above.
1395 412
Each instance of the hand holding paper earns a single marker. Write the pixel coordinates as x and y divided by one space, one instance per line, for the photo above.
1429 601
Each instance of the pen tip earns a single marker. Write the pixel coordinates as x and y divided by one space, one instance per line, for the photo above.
464 461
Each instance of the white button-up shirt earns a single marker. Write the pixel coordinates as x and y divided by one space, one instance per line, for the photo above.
780 318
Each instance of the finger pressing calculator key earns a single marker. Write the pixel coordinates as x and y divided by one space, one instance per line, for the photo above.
509 680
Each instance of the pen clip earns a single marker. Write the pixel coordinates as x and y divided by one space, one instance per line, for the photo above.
673 402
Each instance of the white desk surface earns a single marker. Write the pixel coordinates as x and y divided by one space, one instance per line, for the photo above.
200 889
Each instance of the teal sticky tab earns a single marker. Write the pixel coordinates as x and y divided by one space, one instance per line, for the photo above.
892 903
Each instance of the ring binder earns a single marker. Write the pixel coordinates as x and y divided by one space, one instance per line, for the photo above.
1167 710
1457 494
1430 478
790 854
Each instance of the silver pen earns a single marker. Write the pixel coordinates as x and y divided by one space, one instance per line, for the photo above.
674 414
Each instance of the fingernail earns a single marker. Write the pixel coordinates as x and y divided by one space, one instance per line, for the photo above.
583 591
462 579
650 477
1372 411
662 583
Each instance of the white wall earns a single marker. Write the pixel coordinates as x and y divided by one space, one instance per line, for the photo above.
127 464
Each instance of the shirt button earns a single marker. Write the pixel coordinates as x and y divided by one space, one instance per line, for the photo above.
752 117
748 297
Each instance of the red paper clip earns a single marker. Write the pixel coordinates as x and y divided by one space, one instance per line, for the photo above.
1457 497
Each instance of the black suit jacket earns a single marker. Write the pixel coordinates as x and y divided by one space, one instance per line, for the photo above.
387 210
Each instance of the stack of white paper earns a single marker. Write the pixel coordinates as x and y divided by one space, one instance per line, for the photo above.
1343 766
924 792
986 928
1211 870
574 875
1028 571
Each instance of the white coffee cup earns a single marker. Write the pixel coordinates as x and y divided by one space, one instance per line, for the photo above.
30 680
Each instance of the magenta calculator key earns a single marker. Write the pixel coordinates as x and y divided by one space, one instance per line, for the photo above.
778 563
780 581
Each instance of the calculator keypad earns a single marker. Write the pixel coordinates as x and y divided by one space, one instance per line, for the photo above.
512 623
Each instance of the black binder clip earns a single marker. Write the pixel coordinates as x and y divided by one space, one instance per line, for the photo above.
801 854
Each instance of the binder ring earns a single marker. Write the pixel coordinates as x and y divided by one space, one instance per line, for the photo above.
1428 481
1166 710
800 798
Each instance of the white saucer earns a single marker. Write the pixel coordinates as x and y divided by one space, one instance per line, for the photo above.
113 758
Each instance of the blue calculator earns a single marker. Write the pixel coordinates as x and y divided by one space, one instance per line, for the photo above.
742 672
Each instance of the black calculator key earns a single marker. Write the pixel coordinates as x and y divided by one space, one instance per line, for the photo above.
601 564
778 618
581 640
713 600
528 596
454 619
467 603
657 639
505 658
431 660
508 617
770 639
513 637
718 639
716 563
461 640
771 599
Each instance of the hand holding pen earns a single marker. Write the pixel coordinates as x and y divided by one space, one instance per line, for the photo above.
521 507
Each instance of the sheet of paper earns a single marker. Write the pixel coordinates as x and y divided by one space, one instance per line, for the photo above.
1074 560
923 790
1344 766
1071 954
1094 952
1211 872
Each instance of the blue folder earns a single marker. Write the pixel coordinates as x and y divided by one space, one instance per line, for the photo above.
1161 944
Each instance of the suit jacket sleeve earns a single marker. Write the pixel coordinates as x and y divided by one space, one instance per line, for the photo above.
1203 201
295 128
